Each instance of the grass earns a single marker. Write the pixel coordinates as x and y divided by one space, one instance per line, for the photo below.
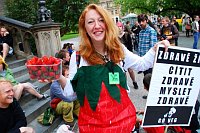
69 36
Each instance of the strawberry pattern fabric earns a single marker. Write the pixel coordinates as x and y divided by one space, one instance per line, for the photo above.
104 107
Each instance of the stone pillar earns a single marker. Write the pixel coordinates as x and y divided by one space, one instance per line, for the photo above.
47 38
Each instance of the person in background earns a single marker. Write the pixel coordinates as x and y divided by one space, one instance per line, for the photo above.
188 26
65 46
127 27
18 88
136 30
195 27
62 105
12 117
168 32
147 39
69 47
125 39
183 23
177 26
64 55
6 42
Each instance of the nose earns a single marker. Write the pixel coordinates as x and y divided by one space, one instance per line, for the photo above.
97 24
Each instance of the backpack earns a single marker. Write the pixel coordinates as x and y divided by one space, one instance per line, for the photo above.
47 117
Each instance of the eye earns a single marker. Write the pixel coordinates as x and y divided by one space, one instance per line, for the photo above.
101 20
90 21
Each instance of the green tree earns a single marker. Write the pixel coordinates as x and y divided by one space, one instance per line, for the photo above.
67 12
22 10
159 7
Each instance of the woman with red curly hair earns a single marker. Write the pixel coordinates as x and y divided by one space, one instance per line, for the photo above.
98 78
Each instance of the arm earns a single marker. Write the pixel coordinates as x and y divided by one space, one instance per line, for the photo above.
153 37
57 91
138 63
72 71
19 118
175 34
194 27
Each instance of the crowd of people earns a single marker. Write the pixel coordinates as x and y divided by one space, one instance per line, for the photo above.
93 85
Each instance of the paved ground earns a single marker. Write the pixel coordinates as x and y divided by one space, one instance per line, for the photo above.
136 95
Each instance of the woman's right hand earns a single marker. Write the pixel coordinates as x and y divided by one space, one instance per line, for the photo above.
163 42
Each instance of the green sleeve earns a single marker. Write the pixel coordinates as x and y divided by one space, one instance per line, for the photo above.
9 76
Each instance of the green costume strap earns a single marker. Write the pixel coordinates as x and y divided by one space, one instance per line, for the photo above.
88 79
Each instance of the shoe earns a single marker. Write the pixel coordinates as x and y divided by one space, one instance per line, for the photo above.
135 85
144 97
37 89
44 96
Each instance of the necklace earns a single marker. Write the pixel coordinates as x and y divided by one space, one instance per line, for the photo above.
103 57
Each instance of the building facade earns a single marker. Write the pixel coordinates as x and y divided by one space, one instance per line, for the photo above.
111 7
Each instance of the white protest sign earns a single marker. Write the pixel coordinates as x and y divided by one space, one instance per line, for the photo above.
174 87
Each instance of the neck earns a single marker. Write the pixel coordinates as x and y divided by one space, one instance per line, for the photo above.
100 48
4 105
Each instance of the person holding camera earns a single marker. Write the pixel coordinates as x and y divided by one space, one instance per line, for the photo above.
168 32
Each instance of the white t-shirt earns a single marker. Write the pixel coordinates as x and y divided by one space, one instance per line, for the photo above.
131 60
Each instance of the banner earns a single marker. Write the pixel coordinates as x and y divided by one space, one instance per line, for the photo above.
174 87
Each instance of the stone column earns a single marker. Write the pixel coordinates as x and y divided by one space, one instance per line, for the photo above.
47 38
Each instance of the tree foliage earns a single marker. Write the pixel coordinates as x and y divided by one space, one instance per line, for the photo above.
66 12
22 10
159 7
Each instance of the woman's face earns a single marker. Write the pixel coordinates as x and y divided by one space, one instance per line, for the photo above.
120 29
95 26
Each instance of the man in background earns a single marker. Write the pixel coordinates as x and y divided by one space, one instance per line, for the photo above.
195 27
147 38
12 117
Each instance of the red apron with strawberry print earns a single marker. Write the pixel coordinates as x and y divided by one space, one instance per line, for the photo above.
108 115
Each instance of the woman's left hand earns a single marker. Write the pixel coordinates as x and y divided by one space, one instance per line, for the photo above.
163 42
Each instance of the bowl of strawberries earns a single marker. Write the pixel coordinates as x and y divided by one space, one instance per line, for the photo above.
44 68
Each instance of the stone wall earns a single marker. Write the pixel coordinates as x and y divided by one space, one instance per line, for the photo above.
1 7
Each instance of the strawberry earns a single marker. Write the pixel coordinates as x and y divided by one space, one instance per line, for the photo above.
55 68
39 73
32 76
44 69
51 74
57 76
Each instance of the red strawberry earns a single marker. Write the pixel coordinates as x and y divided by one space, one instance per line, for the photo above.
39 73
57 76
55 68
52 59
44 69
45 60
51 74
39 61
32 76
